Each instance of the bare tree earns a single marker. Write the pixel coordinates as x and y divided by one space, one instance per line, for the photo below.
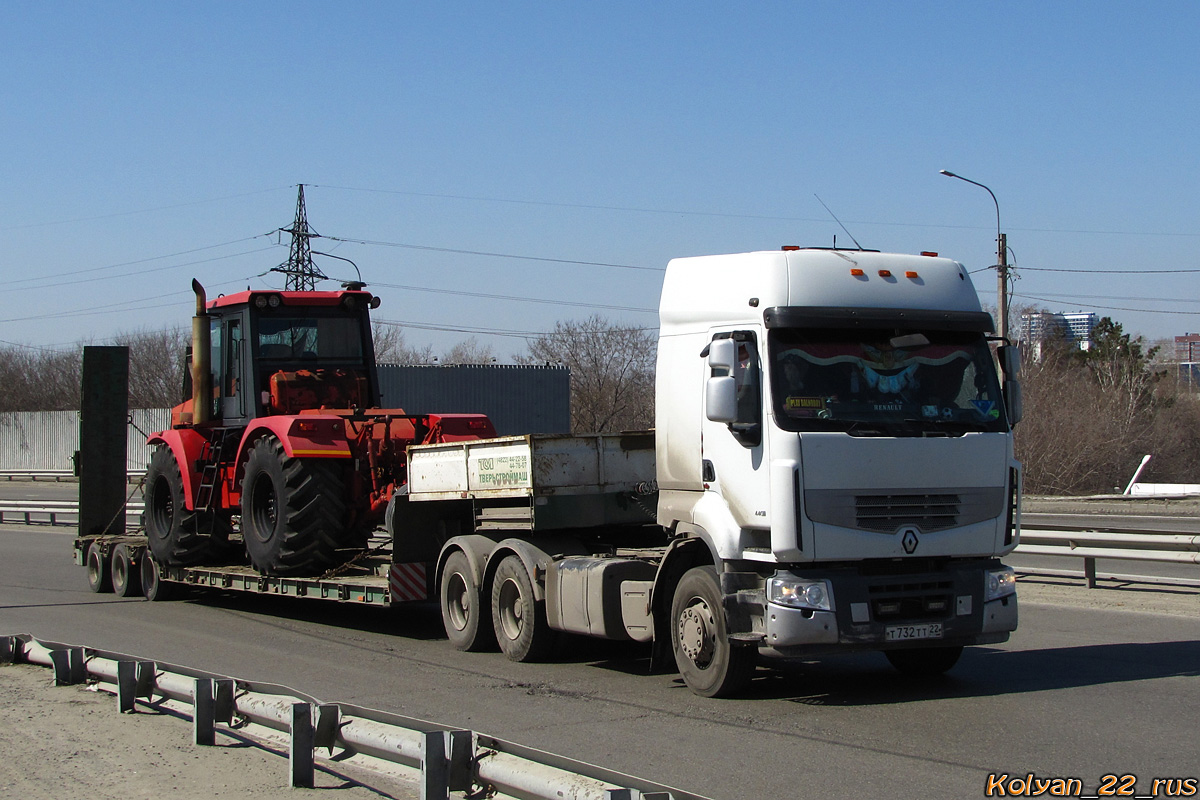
156 364
469 351
612 372
390 347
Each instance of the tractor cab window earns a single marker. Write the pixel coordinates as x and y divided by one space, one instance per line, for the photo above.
310 338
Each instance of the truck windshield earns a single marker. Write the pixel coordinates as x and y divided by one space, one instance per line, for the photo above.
884 382
310 337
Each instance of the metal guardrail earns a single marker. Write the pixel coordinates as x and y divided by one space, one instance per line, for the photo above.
55 475
449 760
1090 544
50 511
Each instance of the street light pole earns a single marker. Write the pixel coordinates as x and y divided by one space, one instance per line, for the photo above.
1001 260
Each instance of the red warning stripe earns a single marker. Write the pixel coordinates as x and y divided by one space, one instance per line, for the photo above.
407 582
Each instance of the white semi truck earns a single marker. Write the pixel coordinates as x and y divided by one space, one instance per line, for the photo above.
833 464
831 469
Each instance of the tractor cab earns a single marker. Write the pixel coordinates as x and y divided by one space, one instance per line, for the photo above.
280 353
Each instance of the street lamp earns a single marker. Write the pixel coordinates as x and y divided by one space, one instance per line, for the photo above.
1001 259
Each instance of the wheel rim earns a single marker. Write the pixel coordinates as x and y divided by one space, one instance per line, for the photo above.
162 508
94 567
697 632
458 601
512 610
263 508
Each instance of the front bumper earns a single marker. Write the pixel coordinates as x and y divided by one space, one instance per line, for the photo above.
866 606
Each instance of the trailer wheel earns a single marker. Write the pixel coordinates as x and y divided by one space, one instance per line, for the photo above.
172 531
293 510
710 664
126 579
98 570
154 588
924 662
467 624
519 619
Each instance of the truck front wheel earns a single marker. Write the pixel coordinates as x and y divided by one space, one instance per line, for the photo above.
519 619
464 615
293 510
710 664
925 662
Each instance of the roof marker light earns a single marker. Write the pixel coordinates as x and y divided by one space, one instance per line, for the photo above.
885 273
911 274
858 273
790 247
929 253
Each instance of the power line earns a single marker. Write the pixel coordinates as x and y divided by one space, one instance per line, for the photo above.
726 215
492 255
143 210
513 298
142 271
1110 308
137 261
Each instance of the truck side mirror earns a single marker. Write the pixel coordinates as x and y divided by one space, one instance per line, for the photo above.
1012 401
1010 360
720 399
722 354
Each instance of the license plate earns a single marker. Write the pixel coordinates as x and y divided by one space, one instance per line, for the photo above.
901 633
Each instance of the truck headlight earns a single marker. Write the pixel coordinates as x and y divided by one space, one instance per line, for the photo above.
798 593
1000 583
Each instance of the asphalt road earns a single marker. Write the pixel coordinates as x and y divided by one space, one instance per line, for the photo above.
1094 683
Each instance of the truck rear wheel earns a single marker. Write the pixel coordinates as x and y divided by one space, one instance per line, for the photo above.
464 614
710 664
293 510
126 578
98 570
925 662
172 531
519 619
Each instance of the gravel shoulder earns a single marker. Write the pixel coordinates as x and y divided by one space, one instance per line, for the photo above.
68 741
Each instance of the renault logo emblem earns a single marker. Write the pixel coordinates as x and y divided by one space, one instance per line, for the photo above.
908 540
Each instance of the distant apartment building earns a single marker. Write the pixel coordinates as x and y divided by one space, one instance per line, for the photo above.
1042 326
1187 354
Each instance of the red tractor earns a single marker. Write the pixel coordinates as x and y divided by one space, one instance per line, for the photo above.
282 429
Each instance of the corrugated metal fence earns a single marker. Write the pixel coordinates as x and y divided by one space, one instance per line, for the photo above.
518 399
48 439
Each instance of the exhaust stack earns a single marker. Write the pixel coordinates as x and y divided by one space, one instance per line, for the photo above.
201 359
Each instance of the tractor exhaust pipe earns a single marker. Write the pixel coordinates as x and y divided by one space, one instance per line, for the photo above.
201 359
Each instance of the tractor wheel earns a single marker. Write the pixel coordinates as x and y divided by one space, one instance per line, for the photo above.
172 531
519 619
293 511
464 611
126 576
710 664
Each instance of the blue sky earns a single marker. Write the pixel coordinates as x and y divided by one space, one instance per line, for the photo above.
149 143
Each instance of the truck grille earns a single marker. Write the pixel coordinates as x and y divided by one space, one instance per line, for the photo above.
888 510
885 513
926 600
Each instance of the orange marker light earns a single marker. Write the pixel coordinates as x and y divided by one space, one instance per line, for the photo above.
911 274
790 247
858 273
929 253
885 273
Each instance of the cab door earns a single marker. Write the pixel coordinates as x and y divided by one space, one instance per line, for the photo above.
734 446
